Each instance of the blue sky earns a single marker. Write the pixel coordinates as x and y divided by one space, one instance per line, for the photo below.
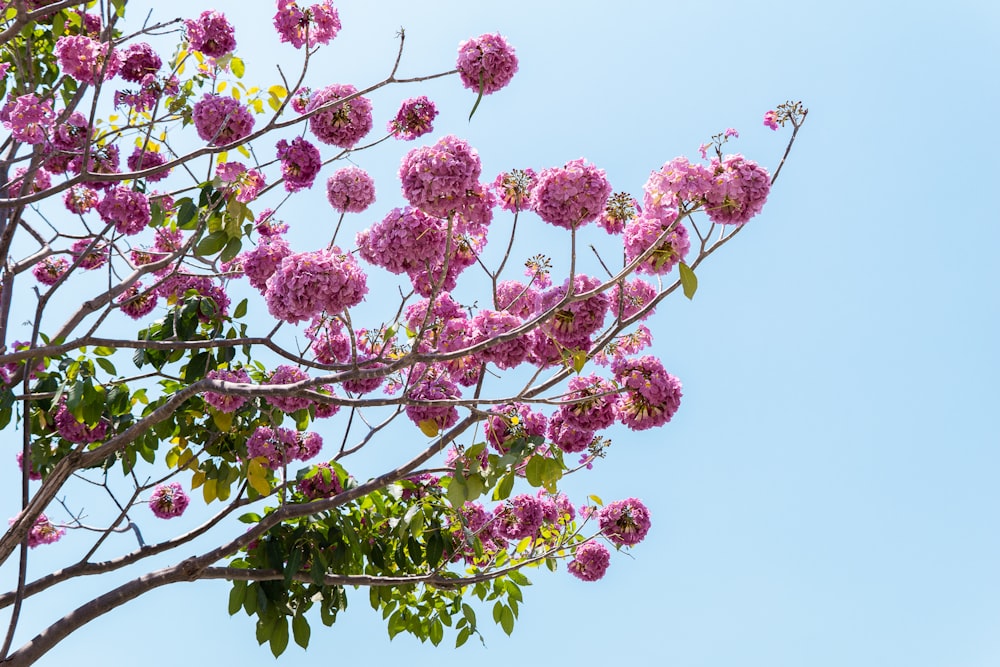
827 494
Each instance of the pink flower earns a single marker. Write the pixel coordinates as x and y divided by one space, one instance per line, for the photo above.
620 209
405 240
570 196
342 124
350 190
486 63
211 34
645 231
137 304
590 561
286 374
138 61
436 178
79 199
42 180
489 324
513 189
43 531
29 119
624 522
511 422
415 118
33 473
227 402
221 120
77 431
631 296
594 399
86 60
318 24
519 517
305 284
94 258
168 500
49 270
300 162
260 263
127 209
651 395
329 343
575 320
430 384
237 178
771 119
739 190
143 158
676 182
320 482
567 436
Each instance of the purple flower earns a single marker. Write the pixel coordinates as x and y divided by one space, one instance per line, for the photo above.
342 124
238 179
436 178
487 325
260 263
519 517
127 209
313 26
300 162
590 561
286 374
43 531
350 190
575 320
593 408
513 189
90 258
771 119
211 33
645 231
168 500
227 402
79 199
414 119
486 63
651 395
320 482
570 196
138 61
77 431
511 422
431 384
624 522
143 158
305 284
29 119
568 436
49 270
221 120
405 240
86 60
135 303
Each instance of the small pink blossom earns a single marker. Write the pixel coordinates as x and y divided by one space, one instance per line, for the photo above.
486 63
415 118
127 209
227 402
43 531
350 190
137 303
29 119
211 33
238 179
590 561
86 60
49 270
168 500
771 119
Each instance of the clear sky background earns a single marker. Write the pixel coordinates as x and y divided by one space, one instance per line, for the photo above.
827 494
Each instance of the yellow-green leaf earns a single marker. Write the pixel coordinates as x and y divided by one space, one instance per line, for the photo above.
688 280
257 476
223 420
208 491
429 427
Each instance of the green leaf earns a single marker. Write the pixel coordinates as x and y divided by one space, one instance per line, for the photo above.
236 596
186 214
293 565
241 309
518 578
534 472
506 485
482 85
232 249
457 492
279 636
688 280
507 620
463 636
300 630
108 367
436 632
211 244
435 548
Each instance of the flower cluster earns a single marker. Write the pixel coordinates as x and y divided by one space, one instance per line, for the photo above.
771 119
404 241
315 25
211 33
260 263
79 199
513 189
49 270
437 178
300 162
144 158
126 209
593 403
307 283
221 120
739 190
139 60
350 190
678 181
512 422
77 431
90 258
41 180
415 118
286 374
86 60
486 63
624 522
168 500
519 517
236 177
590 561
29 119
570 196
575 321
620 209
43 531
645 232
227 402
431 384
342 124
279 446
651 395
320 482
136 303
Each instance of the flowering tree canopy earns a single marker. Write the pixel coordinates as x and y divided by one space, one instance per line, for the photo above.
186 359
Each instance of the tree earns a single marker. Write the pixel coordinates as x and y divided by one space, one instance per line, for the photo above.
499 387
